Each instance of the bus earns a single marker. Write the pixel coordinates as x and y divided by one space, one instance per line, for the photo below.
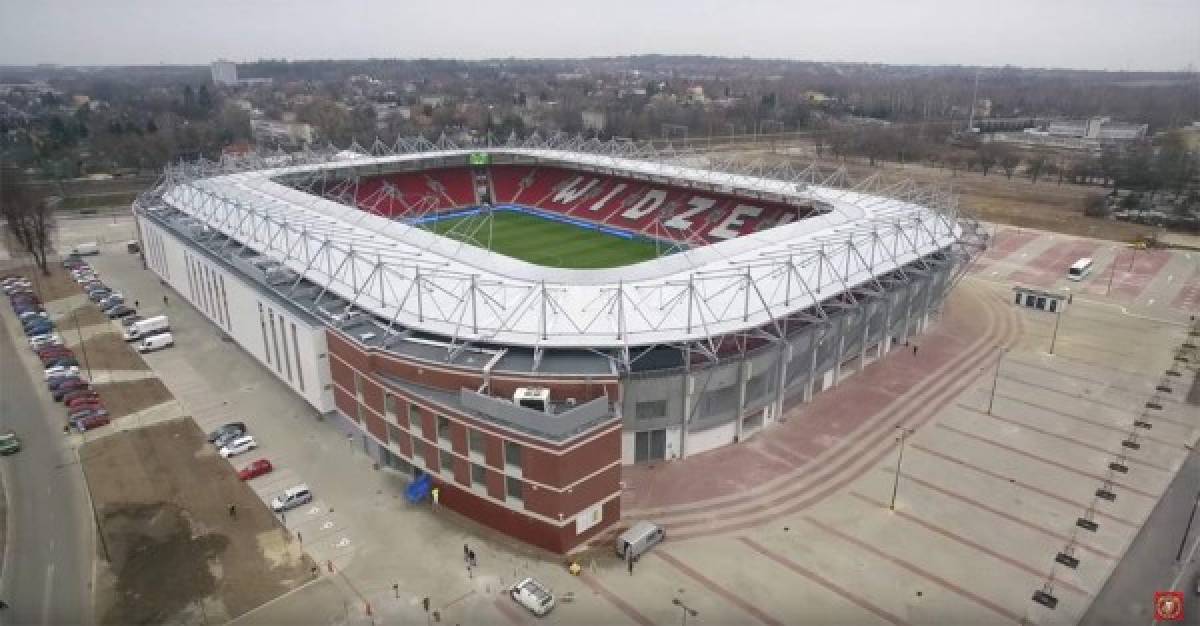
1080 269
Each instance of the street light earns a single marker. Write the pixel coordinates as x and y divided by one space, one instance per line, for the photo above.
687 610
1054 336
904 433
996 378
1188 529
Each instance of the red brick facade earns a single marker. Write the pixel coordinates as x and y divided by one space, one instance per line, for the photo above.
557 480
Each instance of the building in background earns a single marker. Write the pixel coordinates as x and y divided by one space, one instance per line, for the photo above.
277 133
224 72
594 120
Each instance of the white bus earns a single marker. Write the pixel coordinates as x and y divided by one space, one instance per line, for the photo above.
1082 268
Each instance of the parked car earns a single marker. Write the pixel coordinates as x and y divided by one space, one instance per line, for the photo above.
79 402
131 320
239 445
156 342
291 498
81 414
224 439
55 382
255 469
53 352
232 427
119 311
45 340
61 361
532 595
61 370
69 387
111 301
79 394
98 294
88 423
9 443
42 328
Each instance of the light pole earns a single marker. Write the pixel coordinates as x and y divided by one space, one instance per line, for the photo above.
904 433
995 378
82 347
687 610
1054 336
1187 530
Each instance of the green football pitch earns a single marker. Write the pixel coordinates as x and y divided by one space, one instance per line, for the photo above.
546 242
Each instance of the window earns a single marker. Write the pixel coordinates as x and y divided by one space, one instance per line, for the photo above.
394 434
262 320
443 429
476 442
274 340
588 518
478 476
287 358
650 410
512 491
296 353
512 456
446 462
358 387
389 407
418 455
414 421
225 302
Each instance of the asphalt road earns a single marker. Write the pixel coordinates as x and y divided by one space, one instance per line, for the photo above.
1149 565
48 554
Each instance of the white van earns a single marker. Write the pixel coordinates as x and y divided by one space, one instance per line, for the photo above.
145 328
1080 269
156 342
86 249
638 540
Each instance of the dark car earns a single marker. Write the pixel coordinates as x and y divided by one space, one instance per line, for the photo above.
88 423
55 382
84 402
228 436
238 428
68 387
131 320
65 361
97 295
84 413
40 329
120 311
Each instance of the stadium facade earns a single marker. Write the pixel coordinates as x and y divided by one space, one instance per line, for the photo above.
523 388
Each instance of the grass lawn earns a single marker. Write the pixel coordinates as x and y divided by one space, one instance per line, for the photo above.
546 242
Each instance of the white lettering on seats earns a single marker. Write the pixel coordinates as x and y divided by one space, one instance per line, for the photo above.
599 204
683 221
730 227
571 191
645 205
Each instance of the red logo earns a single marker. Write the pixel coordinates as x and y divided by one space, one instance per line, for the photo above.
1168 606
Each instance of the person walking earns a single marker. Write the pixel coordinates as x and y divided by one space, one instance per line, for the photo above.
914 350
471 558
137 304
233 511
466 554
433 495
164 300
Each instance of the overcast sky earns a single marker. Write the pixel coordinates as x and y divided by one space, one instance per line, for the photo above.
1091 34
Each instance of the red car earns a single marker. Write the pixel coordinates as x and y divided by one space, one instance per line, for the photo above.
84 405
78 393
91 397
94 421
54 351
255 469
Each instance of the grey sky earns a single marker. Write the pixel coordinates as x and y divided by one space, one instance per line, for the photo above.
1092 34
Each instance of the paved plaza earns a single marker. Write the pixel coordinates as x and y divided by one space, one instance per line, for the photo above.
1005 446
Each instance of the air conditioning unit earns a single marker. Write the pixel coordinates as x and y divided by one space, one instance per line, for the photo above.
535 398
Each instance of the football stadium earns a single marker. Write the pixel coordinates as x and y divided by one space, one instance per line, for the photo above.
515 323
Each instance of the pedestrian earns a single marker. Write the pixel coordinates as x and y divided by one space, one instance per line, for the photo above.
629 560
164 300
433 494
466 553
233 511
3 605
914 350
137 304
471 558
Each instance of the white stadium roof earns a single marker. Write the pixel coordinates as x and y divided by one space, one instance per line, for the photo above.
431 283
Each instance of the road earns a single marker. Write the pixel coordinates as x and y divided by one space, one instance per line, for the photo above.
48 554
1149 564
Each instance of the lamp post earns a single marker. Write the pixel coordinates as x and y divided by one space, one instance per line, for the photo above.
687 610
904 433
1054 336
995 378
1187 530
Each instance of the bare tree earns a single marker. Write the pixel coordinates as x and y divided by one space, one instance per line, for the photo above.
1036 165
28 216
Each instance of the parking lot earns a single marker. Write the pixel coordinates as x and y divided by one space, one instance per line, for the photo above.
990 489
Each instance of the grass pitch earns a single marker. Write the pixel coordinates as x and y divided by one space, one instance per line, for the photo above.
546 242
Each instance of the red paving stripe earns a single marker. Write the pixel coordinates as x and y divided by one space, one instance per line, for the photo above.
712 586
1022 484
1069 439
967 542
980 600
839 591
1141 433
615 600
1030 455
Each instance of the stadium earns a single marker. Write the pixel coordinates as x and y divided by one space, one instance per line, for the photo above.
520 321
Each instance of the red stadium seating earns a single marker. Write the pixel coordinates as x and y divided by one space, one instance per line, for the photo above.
656 210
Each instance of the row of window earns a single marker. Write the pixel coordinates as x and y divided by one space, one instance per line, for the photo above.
207 289
476 445
278 344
